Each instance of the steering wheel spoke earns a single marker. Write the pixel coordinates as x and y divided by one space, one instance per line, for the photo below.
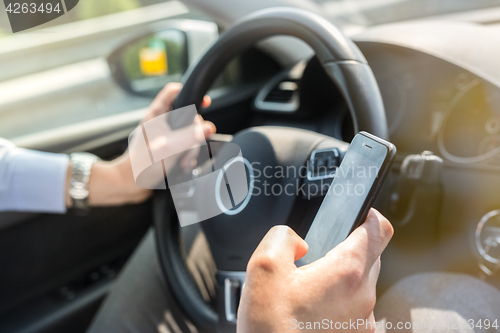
230 286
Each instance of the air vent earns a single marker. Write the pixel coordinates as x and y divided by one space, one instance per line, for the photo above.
283 92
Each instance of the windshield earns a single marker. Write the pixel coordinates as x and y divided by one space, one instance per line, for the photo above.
86 9
373 12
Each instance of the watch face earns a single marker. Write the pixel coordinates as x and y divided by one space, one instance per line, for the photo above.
81 166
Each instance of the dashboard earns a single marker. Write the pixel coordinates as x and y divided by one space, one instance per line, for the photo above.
430 104
434 105
441 95
470 122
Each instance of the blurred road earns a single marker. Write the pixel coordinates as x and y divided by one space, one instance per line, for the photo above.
59 76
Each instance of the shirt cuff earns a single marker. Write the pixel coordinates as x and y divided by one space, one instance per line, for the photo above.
38 181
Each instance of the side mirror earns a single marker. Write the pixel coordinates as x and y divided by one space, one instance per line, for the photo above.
145 64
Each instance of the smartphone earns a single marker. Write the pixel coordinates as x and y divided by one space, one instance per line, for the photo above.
357 182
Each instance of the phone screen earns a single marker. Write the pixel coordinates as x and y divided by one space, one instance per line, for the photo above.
346 197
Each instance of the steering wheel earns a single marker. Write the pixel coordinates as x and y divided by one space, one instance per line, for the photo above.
233 237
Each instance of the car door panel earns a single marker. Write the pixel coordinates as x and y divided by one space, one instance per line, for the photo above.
55 269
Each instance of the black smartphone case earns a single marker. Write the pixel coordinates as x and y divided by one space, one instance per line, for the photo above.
380 178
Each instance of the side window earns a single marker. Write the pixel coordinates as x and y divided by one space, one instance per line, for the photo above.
56 74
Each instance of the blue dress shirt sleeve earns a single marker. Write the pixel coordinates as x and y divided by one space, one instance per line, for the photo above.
32 181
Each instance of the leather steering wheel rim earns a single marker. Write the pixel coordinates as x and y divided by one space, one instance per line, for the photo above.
343 62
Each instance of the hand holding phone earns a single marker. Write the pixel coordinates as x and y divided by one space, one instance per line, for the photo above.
325 287
356 184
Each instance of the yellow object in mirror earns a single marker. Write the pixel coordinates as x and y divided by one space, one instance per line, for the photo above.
153 61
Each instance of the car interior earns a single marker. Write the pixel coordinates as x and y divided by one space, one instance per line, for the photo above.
284 82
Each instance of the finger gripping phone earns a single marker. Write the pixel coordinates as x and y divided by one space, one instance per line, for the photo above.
357 182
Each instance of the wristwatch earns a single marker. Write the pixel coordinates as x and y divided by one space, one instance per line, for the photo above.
81 166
